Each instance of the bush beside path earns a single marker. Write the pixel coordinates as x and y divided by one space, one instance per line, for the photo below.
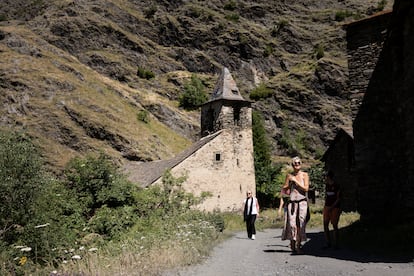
269 255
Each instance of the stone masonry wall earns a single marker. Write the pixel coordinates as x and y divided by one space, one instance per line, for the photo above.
226 179
364 42
219 115
383 128
340 160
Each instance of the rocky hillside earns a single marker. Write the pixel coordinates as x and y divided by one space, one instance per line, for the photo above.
68 71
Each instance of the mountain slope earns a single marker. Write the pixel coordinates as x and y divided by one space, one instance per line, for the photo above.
68 71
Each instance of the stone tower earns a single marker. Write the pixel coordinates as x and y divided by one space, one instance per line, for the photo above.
221 163
226 109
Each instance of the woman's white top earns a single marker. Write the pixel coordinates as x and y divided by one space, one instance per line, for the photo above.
249 202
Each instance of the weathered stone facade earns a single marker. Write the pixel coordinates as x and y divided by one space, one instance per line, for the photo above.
383 128
224 167
222 161
340 159
365 39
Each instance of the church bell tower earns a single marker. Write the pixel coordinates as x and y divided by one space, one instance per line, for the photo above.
226 109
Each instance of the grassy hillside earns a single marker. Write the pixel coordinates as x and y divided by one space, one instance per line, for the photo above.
68 71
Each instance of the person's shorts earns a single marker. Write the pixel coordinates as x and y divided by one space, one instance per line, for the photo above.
332 216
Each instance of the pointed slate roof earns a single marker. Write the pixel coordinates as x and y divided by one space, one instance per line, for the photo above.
226 88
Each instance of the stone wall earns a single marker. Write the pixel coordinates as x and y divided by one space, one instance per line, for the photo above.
224 167
339 159
225 114
383 127
364 43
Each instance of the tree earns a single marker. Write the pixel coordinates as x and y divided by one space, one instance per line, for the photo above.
96 182
21 180
265 171
194 94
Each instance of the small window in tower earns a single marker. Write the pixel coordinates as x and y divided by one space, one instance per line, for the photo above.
218 157
236 115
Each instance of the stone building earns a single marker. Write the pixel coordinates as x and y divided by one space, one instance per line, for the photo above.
340 159
365 39
383 128
222 161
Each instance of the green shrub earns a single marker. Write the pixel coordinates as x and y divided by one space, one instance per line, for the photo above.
145 74
381 5
35 209
143 116
293 141
268 50
194 94
174 198
96 183
341 15
21 182
233 17
195 12
317 179
230 5
261 92
150 12
319 51
111 222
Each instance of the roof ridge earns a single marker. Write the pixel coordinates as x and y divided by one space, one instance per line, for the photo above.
226 88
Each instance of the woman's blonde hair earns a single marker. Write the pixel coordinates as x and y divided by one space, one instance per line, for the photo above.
296 159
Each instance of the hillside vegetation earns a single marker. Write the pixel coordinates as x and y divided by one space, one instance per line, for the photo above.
76 74
97 83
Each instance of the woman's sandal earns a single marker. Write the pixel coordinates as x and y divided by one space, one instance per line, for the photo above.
298 250
292 247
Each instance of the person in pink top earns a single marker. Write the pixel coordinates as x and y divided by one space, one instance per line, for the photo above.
298 184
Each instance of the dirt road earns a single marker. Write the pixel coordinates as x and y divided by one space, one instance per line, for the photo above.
268 255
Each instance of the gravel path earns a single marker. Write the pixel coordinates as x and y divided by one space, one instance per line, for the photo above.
268 255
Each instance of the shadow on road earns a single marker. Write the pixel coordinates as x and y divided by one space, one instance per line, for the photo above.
314 247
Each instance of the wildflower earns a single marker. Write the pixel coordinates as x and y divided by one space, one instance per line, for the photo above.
54 272
93 249
76 257
22 260
26 249
64 262
82 248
